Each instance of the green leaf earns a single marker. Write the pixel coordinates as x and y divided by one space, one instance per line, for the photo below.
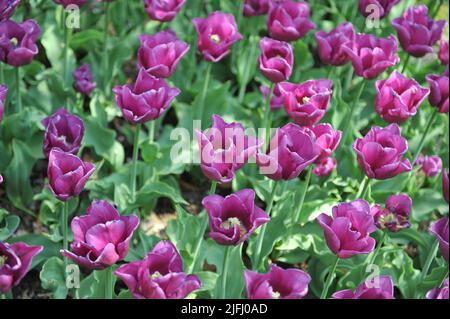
159 189
53 277
8 224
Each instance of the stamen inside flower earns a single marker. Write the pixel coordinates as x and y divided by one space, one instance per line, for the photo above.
231 222
14 42
305 100
3 260
156 275
276 295
215 38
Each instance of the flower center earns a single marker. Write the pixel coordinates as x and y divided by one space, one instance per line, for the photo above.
14 42
156 275
231 222
3 260
276 295
305 100
215 38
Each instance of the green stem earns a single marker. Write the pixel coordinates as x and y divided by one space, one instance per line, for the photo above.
223 285
201 105
268 115
351 112
429 261
247 66
65 226
18 96
151 131
109 286
262 233
405 64
330 279
66 45
371 259
2 74
302 199
362 192
424 136
213 189
135 162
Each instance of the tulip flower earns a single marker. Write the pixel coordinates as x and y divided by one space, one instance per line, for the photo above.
63 131
439 86
330 45
147 100
325 167
18 42
395 215
417 32
233 219
1 179
67 174
371 56
443 52
380 8
276 60
440 230
445 189
381 151
7 8
291 150
398 98
15 262
159 275
224 149
254 8
66 3
102 237
277 101
163 11
430 165
278 283
289 20
3 93
347 232
84 80
308 102
327 139
160 54
216 35
380 287
439 293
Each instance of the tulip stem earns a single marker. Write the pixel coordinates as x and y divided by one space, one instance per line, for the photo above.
201 105
2 74
424 136
364 188
426 267
18 96
405 64
330 279
225 267
65 226
302 199
262 233
135 162
268 115
247 66
109 285
371 259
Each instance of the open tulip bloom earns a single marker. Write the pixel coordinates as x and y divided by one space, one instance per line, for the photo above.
395 215
330 45
163 11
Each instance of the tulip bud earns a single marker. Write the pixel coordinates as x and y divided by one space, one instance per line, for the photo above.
430 165
330 45
439 86
443 52
163 11
84 80
276 60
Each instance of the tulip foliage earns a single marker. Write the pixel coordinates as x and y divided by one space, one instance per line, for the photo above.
257 149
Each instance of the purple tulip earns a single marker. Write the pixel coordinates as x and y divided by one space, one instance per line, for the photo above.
84 80
439 85
66 3
418 32
439 293
147 100
327 138
330 45
370 55
380 8
430 165
276 60
67 174
18 42
443 52
398 98
1 179
395 215
216 35
3 93
380 287
102 237
277 101
163 10
159 275
308 102
15 262
325 167
254 8
445 188
278 283
291 150
224 149
234 218
160 54
347 232
380 152
7 8
440 230
289 20
63 131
